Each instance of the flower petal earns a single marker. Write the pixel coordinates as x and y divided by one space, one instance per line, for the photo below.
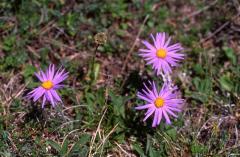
149 46
155 119
143 107
50 98
55 95
159 117
149 114
166 117
171 113
44 101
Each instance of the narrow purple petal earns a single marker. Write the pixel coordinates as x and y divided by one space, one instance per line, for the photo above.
155 119
157 41
162 40
166 117
32 93
144 98
154 89
164 89
145 50
154 41
166 68
174 47
167 43
58 86
39 76
170 112
159 117
143 107
149 110
55 95
174 109
38 93
148 95
149 91
51 71
158 37
149 114
60 76
43 76
44 101
50 98
149 46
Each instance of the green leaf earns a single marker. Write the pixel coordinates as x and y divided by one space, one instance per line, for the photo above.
226 83
172 133
230 54
197 148
64 148
84 139
29 71
148 143
83 151
118 104
198 69
139 149
8 43
154 153
96 71
120 137
6 154
203 89
54 144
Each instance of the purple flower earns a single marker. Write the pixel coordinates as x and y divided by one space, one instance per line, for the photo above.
162 56
161 104
50 82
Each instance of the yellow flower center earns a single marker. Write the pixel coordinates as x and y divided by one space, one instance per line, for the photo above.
159 102
47 85
161 53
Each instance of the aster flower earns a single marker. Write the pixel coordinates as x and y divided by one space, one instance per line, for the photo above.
161 103
162 55
50 82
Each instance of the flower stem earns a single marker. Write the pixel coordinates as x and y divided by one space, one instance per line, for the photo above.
93 60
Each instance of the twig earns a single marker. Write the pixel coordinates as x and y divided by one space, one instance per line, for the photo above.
66 138
134 44
12 142
236 134
69 122
215 32
94 137
103 141
33 51
73 107
53 22
229 148
131 50
204 125
16 95
122 149
170 144
58 43
6 18
220 28
136 39
236 5
201 10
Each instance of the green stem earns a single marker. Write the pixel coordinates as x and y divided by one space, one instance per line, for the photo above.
93 59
